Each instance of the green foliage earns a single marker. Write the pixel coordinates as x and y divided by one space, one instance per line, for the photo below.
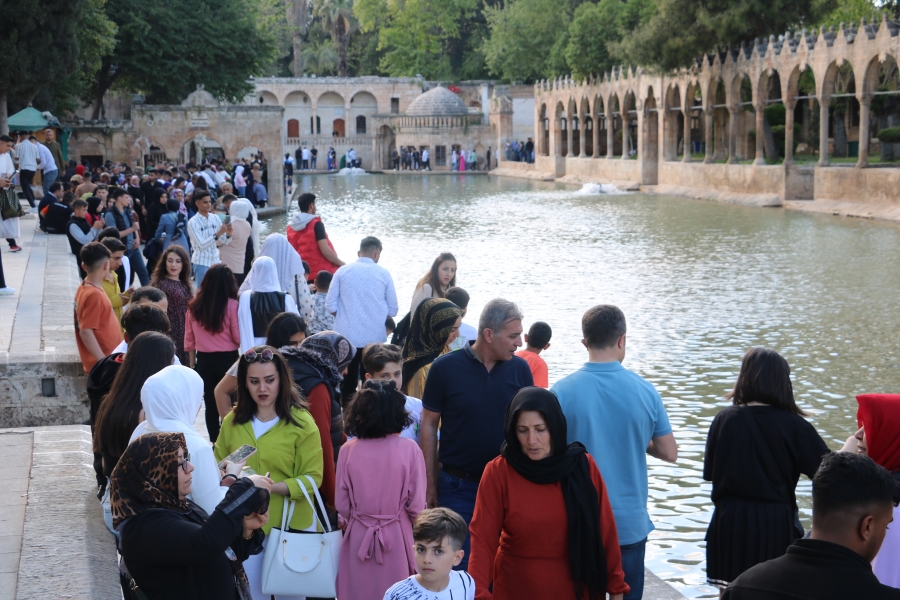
594 27
522 34
776 115
891 135
778 131
849 11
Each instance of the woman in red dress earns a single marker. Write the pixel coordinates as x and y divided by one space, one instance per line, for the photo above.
543 526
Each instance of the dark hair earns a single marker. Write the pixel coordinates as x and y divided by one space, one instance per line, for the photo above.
172 205
92 255
765 377
457 296
369 244
6 138
432 276
377 411
160 272
200 186
107 232
228 197
282 327
55 186
376 356
116 192
148 354
305 200
68 199
434 524
79 204
390 324
101 186
148 292
602 326
288 392
847 481
209 305
144 317
113 244
305 267
539 334
323 280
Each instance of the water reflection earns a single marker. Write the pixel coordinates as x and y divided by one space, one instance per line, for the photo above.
699 283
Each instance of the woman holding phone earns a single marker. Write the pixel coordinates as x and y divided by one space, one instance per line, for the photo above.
271 416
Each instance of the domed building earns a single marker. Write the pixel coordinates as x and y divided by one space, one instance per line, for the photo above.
437 102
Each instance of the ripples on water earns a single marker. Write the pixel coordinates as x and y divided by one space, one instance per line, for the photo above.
699 283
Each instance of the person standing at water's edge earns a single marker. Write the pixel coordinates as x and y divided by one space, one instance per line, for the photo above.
307 235
467 392
620 418
361 297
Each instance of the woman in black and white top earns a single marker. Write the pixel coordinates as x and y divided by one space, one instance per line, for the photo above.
261 303
440 278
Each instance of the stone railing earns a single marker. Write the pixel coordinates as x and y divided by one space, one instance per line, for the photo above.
437 122
325 142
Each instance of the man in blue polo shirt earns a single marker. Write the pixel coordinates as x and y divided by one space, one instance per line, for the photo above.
620 418
467 392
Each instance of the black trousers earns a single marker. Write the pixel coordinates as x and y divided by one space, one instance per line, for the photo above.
211 367
2 278
351 379
26 177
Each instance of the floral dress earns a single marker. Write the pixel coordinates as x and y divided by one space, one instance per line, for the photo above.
178 295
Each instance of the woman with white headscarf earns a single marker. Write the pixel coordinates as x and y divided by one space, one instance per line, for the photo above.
290 273
254 224
263 299
235 254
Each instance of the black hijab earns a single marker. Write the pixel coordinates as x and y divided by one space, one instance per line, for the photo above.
429 331
568 465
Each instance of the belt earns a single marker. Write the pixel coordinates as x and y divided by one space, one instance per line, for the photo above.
457 472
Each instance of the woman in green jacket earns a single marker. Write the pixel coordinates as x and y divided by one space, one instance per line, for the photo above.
271 417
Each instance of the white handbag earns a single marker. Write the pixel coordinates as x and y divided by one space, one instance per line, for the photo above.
302 564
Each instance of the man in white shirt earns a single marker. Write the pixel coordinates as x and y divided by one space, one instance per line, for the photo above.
49 172
362 297
207 233
426 166
304 155
27 154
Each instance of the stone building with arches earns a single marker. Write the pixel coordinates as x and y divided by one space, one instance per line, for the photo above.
696 129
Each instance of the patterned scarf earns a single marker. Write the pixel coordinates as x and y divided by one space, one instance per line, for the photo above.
429 330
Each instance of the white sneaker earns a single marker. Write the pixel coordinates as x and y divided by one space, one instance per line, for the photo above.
7 291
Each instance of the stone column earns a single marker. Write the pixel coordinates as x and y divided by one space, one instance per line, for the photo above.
864 134
610 134
595 132
556 134
626 139
686 117
789 135
569 137
733 112
823 134
708 115
760 124
581 136
315 118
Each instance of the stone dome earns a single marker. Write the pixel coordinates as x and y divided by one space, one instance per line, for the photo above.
437 102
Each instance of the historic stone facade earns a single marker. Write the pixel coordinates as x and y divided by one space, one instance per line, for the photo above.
630 125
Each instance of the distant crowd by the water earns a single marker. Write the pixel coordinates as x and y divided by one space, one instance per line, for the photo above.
360 447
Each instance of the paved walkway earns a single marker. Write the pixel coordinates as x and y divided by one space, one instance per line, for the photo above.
15 454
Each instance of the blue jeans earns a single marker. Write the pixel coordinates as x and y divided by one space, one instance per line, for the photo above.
47 178
633 566
458 495
138 267
199 273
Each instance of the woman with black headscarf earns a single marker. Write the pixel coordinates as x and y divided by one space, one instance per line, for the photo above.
170 546
434 326
543 526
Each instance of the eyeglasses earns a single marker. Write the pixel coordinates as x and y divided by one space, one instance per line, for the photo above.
183 464
264 356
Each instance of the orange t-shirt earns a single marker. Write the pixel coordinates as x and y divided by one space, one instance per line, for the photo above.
538 367
94 311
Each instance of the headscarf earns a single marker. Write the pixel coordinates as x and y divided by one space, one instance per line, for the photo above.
428 332
880 414
328 352
290 272
243 209
146 477
567 465
258 304
93 204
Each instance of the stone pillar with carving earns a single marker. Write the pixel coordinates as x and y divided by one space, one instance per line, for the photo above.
569 136
626 138
760 125
610 134
733 112
864 133
595 132
581 136
686 117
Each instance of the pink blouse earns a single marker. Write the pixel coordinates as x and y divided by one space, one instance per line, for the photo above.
227 340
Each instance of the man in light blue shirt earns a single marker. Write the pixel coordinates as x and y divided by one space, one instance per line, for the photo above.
620 418
361 298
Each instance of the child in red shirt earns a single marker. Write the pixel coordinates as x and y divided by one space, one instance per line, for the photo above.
536 340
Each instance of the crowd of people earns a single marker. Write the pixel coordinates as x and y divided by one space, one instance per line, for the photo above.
451 468
518 151
410 158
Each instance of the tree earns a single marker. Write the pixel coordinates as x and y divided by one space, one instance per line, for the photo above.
298 18
681 30
339 15
321 60
523 34
215 43
594 27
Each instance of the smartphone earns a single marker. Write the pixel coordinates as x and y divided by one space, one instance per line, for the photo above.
227 219
239 455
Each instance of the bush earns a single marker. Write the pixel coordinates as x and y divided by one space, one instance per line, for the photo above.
775 114
891 135
778 133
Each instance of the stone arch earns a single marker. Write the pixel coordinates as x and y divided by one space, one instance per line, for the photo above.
694 123
197 148
650 147
628 112
771 120
544 140
614 123
717 103
803 103
673 124
841 112
600 119
742 120
267 98
883 76
296 98
363 106
587 127
559 121
330 110
573 130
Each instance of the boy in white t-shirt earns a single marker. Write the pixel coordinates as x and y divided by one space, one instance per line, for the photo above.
438 535
385 362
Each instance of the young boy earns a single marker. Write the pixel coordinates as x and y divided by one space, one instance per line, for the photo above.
97 331
536 340
322 319
111 283
467 333
80 233
438 535
385 362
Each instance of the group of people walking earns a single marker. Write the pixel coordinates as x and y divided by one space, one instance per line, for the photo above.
450 467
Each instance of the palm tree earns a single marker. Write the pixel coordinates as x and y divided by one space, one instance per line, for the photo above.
298 19
320 60
339 15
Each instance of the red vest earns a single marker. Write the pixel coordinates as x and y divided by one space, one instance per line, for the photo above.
304 242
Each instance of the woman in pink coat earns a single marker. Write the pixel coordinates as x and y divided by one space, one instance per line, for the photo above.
380 490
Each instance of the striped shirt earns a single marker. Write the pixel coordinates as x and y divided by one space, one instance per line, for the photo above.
202 231
462 587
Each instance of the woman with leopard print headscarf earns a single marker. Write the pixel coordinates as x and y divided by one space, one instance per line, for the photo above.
172 547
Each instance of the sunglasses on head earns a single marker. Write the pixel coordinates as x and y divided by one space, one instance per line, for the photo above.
264 356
